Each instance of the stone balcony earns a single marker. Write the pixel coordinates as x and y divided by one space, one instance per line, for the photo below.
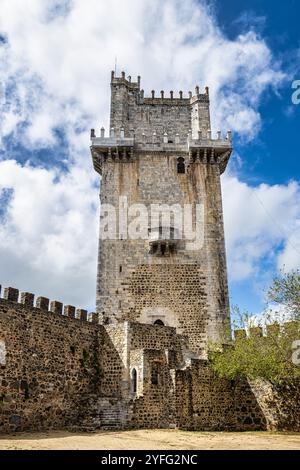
163 240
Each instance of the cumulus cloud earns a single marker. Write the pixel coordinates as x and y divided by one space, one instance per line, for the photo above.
58 55
56 58
48 232
261 223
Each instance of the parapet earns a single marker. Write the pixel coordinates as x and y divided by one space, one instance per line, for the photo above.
26 299
119 139
122 80
273 329
207 147
158 98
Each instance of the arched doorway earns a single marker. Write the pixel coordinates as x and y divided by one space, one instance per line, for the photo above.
159 322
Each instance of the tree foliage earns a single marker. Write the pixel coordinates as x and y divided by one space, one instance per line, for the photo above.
276 356
285 291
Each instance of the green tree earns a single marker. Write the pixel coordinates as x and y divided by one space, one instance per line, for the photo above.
272 356
285 290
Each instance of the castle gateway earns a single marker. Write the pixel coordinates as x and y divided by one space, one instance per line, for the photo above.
161 163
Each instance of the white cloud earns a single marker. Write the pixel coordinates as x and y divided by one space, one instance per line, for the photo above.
59 65
258 220
55 69
48 238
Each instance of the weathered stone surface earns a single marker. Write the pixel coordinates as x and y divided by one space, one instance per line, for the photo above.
144 365
69 311
56 307
122 375
81 314
10 293
27 299
186 288
42 303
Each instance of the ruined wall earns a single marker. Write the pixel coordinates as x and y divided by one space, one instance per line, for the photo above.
155 407
280 404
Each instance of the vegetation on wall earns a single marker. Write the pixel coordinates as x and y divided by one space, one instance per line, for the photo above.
274 356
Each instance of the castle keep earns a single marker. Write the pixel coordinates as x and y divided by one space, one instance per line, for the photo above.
140 360
161 150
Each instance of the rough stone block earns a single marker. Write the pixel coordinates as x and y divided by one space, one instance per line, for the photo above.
81 314
273 329
256 331
94 317
27 299
42 303
10 293
56 307
69 311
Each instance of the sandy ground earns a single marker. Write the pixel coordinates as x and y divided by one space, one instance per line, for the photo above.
150 439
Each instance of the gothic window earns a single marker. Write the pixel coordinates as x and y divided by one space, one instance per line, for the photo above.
134 380
180 165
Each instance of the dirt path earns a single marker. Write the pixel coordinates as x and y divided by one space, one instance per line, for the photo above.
150 439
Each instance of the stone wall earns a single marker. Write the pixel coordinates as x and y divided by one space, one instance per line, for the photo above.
209 403
49 369
186 288
61 371
174 115
155 353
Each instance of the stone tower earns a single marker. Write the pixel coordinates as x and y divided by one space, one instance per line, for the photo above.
160 150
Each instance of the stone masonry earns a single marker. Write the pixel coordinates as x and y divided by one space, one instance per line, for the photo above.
160 150
140 360
61 369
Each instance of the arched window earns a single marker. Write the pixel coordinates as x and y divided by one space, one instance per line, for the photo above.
134 380
180 165
159 322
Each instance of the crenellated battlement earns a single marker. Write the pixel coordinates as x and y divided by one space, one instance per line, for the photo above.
122 80
133 113
158 98
207 147
273 329
27 300
118 138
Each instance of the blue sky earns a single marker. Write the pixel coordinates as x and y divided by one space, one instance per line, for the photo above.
56 58
278 23
273 156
